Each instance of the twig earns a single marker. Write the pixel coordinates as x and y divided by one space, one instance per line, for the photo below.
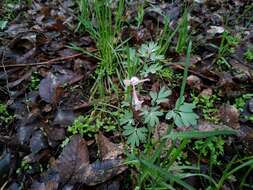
49 62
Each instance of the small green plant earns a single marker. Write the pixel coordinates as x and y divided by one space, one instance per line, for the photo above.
135 135
65 142
206 105
89 125
212 147
5 116
152 69
166 73
183 114
248 55
83 126
150 52
227 45
8 13
140 14
241 101
161 96
25 167
35 81
150 116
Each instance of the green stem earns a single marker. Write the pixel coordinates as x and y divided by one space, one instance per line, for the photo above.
187 64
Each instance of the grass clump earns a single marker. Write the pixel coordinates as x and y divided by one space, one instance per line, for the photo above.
98 20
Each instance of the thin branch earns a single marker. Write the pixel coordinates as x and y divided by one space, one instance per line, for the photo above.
49 62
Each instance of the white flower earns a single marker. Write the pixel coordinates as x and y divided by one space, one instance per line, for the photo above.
136 102
134 81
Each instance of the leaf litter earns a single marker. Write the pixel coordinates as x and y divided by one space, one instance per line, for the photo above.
34 44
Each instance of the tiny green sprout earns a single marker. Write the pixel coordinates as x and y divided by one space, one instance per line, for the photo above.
248 55
5 116
35 81
166 73
25 167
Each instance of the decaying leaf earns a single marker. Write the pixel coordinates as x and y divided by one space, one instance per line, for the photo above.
73 164
107 149
230 116
73 159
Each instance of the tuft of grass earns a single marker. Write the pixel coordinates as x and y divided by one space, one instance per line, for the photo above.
99 21
183 33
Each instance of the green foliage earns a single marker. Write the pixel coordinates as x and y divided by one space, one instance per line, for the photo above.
212 146
133 62
206 105
65 142
108 26
183 33
83 126
160 97
248 55
154 68
140 14
227 45
166 73
241 101
35 81
184 115
135 135
150 52
196 134
25 167
8 14
89 125
151 116
3 24
5 116
127 118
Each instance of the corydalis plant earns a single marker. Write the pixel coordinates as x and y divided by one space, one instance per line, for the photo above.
151 51
133 82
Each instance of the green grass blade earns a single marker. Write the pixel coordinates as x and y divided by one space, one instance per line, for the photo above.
198 134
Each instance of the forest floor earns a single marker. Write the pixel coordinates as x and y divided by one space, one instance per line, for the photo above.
117 94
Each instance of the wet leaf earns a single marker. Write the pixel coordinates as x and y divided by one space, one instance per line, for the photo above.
38 142
74 159
48 86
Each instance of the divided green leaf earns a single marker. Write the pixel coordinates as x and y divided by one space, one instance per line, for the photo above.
151 117
184 116
154 68
127 118
161 96
135 135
